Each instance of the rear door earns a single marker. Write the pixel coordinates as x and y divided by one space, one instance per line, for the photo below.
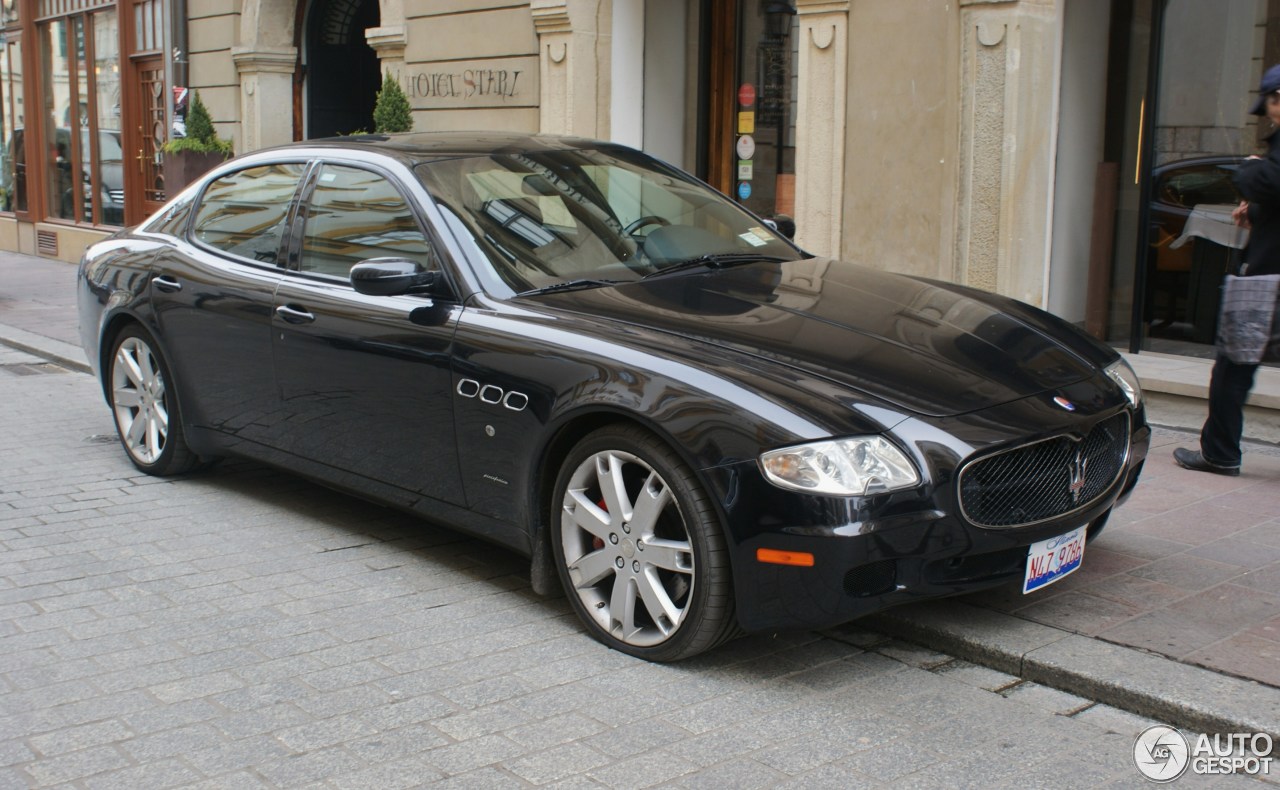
365 379
213 298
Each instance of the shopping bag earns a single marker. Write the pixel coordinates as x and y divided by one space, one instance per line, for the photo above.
1247 326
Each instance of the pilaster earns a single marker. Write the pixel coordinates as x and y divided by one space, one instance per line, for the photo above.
389 42
266 86
1008 95
822 87
574 78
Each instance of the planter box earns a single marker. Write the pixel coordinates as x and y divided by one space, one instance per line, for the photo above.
183 167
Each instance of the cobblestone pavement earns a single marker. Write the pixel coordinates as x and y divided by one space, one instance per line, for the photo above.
243 628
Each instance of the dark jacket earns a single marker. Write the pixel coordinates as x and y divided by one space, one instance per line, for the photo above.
1259 182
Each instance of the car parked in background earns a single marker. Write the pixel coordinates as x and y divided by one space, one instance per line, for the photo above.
573 350
1192 238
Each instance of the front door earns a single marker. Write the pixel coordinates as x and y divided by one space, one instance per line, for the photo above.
366 379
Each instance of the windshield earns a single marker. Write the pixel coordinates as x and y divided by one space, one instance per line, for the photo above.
607 214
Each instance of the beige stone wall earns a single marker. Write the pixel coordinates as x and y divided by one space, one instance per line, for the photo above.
471 65
901 137
949 142
212 27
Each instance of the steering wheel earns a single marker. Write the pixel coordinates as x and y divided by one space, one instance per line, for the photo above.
648 219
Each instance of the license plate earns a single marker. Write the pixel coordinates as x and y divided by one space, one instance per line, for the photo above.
1050 560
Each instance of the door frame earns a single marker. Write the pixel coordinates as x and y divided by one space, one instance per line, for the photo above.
136 208
720 67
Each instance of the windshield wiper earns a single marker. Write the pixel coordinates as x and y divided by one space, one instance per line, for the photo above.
714 260
569 285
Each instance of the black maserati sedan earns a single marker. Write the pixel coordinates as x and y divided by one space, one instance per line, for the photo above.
571 349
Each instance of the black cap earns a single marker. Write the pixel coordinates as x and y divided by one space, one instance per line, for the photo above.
1270 82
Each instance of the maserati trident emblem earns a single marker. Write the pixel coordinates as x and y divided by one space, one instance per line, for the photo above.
1076 469
1064 403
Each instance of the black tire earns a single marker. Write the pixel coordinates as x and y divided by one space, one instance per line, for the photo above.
147 416
664 563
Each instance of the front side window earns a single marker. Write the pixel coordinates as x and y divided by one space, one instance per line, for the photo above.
244 213
354 215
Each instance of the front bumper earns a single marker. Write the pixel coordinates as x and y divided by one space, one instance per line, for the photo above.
876 552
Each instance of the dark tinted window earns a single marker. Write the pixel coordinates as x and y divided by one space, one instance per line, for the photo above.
354 215
1192 186
243 213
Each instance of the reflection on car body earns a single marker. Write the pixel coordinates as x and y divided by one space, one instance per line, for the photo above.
571 349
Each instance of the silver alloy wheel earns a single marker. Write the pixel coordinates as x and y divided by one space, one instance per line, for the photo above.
627 548
137 396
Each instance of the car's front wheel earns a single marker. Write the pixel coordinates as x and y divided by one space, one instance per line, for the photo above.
640 549
146 410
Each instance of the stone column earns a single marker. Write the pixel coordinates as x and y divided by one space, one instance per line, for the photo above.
1009 53
822 75
389 43
573 65
266 95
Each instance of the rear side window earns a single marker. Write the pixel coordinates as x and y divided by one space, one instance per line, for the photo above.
244 213
171 221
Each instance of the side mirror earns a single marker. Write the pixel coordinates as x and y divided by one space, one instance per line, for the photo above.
391 277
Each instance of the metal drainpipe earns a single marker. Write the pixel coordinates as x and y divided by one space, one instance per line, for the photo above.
180 54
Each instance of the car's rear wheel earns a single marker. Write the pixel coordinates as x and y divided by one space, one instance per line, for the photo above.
139 389
640 549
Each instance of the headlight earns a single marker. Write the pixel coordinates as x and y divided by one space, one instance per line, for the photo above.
1122 374
840 467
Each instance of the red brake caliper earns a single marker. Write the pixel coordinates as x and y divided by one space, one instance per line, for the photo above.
596 542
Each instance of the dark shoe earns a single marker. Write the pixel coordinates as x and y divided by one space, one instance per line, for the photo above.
1190 459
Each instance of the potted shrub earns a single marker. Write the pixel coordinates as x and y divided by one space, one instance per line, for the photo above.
391 110
187 158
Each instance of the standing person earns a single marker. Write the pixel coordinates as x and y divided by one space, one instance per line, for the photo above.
1259 182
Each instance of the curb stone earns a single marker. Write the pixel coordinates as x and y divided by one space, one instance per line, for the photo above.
56 351
1151 685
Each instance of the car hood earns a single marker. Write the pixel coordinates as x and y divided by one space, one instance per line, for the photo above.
921 346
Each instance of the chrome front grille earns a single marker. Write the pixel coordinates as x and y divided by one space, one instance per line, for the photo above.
1046 479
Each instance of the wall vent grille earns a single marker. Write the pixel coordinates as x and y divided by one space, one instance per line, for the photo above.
47 243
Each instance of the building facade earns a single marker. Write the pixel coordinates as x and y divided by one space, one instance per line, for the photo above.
1073 155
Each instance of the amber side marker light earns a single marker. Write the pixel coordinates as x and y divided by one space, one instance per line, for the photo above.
801 559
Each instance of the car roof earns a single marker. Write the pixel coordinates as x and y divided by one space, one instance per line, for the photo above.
426 146
1199 161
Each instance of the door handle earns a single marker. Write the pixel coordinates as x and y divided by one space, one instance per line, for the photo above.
294 315
166 283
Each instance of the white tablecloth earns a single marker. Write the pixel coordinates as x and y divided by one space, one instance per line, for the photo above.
1212 221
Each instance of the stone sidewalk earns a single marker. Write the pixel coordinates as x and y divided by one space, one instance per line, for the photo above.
1188 569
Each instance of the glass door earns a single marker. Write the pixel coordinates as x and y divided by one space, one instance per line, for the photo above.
763 156
1210 59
